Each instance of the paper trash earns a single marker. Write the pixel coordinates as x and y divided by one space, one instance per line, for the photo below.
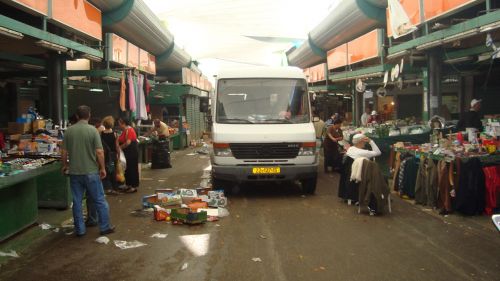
12 253
159 235
102 240
128 245
256 259
45 226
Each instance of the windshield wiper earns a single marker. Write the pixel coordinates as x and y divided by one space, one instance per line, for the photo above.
277 120
236 120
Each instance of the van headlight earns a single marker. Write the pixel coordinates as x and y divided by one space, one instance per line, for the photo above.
222 150
307 149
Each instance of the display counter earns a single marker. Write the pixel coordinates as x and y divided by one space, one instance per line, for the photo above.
19 197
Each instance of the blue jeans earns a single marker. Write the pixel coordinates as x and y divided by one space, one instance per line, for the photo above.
91 185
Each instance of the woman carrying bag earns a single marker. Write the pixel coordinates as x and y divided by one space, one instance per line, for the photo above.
109 141
129 146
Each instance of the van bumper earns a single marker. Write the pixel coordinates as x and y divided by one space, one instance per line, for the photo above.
244 173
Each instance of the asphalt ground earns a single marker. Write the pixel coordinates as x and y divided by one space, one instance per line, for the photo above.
273 232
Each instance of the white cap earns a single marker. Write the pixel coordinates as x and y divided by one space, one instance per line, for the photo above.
374 112
357 138
473 102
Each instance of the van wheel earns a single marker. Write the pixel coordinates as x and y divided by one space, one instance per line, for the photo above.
309 185
218 184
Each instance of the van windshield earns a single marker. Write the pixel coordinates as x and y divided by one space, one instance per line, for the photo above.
262 101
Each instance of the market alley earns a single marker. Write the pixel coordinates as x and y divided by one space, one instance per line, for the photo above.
273 232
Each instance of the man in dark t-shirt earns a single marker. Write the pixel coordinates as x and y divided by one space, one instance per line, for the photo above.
472 118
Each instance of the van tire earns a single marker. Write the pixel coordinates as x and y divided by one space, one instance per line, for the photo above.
309 185
218 184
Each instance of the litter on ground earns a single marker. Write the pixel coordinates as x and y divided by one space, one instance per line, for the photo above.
128 244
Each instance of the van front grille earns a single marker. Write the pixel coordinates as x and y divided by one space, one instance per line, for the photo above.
265 150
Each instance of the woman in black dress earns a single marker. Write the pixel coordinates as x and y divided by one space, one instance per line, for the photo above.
331 145
111 155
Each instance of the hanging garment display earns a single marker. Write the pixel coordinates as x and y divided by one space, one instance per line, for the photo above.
131 92
445 186
426 184
123 106
471 190
492 184
141 105
147 90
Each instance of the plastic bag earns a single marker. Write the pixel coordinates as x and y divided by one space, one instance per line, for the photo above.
123 161
120 174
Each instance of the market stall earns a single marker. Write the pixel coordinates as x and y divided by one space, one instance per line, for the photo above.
455 173
21 180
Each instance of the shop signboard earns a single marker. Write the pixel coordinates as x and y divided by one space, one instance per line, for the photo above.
436 8
143 60
152 63
118 47
37 6
337 57
78 15
364 47
412 9
132 55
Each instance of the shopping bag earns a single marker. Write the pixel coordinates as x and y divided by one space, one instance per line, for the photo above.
123 161
120 175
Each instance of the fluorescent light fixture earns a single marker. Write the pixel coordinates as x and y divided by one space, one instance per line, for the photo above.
490 26
11 33
461 35
96 90
398 54
51 46
31 66
91 57
347 97
111 78
459 60
429 45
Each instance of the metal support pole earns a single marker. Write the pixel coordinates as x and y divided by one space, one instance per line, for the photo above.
435 73
425 94
55 79
488 6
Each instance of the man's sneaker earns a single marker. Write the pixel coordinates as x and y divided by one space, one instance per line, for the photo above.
90 224
108 231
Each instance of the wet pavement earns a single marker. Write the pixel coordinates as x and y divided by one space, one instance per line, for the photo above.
273 232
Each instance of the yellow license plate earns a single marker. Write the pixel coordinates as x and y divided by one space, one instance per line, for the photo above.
266 170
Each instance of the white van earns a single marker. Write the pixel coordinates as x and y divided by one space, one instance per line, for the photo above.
262 128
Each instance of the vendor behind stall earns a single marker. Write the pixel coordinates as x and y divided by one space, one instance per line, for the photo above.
159 129
373 119
472 118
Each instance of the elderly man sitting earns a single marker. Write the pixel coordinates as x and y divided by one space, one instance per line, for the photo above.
358 150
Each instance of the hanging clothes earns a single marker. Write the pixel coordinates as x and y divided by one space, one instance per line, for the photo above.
408 176
141 105
373 189
123 106
426 184
147 90
445 186
492 184
470 192
131 92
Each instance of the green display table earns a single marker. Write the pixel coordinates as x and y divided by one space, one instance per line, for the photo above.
19 197
53 188
384 144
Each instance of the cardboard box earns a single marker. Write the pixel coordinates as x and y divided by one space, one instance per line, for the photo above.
185 215
165 200
16 137
38 124
19 128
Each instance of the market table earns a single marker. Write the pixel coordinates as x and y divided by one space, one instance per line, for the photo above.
19 199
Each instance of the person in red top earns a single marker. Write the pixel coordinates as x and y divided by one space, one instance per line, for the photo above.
129 146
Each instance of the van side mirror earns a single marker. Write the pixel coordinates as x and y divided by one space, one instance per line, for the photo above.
204 104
